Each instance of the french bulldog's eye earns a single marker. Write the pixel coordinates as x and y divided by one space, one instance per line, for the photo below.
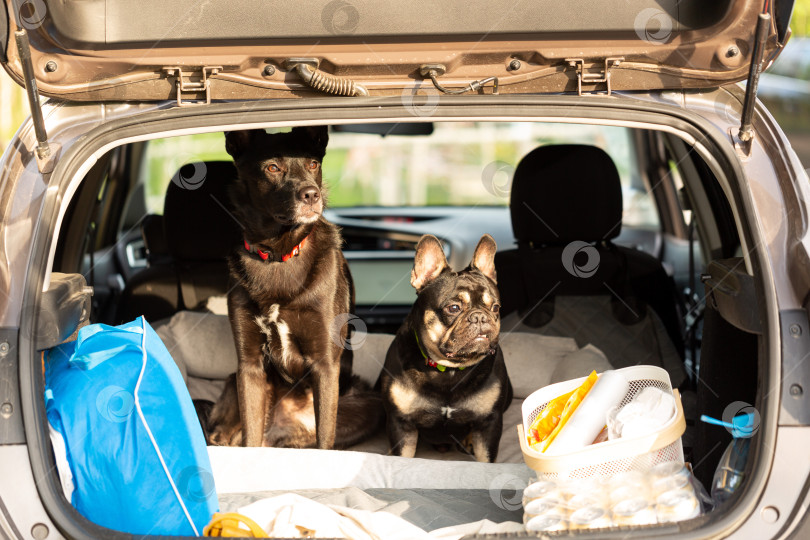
496 308
273 168
453 308
312 165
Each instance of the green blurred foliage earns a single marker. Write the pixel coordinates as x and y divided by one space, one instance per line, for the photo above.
13 109
800 22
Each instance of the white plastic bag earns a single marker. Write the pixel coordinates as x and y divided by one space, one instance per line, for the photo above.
646 413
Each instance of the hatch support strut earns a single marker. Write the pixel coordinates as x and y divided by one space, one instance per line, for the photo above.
30 83
746 133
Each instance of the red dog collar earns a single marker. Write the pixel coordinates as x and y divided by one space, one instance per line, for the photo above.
266 254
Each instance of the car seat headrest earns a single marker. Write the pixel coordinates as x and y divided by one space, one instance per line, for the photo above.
561 193
197 219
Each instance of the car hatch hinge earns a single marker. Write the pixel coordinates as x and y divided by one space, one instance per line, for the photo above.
586 76
192 83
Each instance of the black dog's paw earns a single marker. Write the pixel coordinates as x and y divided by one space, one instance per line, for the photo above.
203 409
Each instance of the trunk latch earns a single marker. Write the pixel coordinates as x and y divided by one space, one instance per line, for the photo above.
593 77
190 84
434 71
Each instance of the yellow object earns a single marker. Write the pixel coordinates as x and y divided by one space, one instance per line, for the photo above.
547 420
227 526
571 404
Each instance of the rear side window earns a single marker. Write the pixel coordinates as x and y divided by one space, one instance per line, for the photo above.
164 157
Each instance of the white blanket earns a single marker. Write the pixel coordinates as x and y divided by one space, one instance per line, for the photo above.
243 470
293 516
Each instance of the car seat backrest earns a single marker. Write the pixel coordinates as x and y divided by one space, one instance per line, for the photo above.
197 222
566 208
154 239
198 232
200 229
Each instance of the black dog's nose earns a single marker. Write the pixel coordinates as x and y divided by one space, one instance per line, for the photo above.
478 317
309 195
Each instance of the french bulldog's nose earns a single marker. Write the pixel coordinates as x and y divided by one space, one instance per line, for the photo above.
309 195
478 317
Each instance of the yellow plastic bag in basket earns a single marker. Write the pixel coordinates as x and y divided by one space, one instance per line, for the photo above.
547 420
571 403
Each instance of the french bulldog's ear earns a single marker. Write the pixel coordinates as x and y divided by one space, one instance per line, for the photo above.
428 263
318 134
237 141
484 257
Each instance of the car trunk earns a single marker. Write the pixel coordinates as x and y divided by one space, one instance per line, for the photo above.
723 321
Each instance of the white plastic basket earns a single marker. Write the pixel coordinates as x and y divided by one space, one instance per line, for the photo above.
610 457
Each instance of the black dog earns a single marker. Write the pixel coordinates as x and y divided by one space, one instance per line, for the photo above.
444 377
290 285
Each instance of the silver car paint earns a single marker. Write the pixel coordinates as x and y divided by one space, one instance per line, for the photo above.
772 184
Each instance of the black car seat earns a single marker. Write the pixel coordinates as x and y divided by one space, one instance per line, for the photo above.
567 277
187 247
154 240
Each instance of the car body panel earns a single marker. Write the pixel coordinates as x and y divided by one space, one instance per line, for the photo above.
21 512
104 60
116 50
758 183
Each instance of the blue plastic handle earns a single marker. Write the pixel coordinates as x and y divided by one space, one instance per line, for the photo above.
741 426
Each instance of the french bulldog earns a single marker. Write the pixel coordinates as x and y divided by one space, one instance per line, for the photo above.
444 378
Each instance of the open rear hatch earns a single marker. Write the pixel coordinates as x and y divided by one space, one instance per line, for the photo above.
154 50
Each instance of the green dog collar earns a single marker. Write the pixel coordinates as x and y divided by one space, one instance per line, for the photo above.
428 361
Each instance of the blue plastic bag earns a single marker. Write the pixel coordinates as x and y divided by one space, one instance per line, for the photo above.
134 446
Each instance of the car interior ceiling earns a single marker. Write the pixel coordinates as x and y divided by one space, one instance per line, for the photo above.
658 310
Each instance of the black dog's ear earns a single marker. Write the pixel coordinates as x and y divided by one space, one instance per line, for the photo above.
428 263
484 257
318 134
237 141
